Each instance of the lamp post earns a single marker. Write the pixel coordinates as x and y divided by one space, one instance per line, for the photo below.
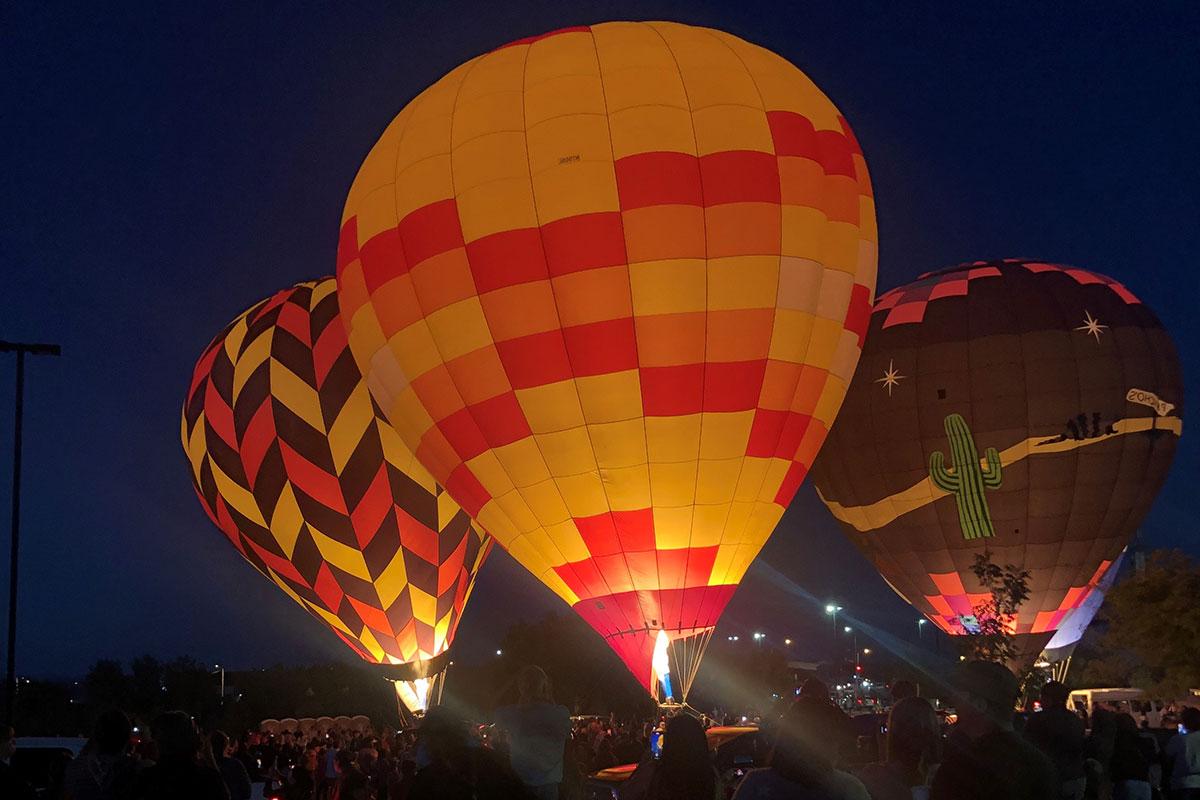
832 610
854 638
921 629
33 349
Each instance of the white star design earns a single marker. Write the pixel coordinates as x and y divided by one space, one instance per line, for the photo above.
1092 326
891 378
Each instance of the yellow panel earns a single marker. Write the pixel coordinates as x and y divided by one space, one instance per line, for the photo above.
725 554
627 488
799 283
716 480
553 407
490 472
411 418
647 129
791 335
396 453
392 580
803 231
562 95
414 350
666 287
488 158
673 484
644 86
583 494
708 523
754 470
492 518
672 526
741 562
723 128
831 400
250 360
845 358
840 247
517 510
347 429
736 525
558 586
346 558
498 111
835 295
379 167
546 503
447 510
567 141
619 444
440 631
377 213
459 328
742 282
574 188
424 182
286 520
610 398
502 205
567 452
670 439
424 605
298 396
522 462
330 618
725 434
782 86
824 342
236 495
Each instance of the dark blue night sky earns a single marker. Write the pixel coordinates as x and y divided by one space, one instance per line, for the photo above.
168 166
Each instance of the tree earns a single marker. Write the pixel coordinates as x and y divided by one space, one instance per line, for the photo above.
1151 623
994 638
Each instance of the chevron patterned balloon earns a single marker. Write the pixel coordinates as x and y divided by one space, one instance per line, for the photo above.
292 460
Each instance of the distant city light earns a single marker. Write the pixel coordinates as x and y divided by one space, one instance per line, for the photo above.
866 651
787 642
832 609
499 652
759 636
847 629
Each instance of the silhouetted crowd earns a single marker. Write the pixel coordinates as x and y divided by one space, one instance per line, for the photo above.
806 749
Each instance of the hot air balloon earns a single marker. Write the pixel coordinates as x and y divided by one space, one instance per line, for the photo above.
293 462
1061 647
610 285
1024 408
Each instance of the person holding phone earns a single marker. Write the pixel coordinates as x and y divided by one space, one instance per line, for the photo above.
682 771
1183 754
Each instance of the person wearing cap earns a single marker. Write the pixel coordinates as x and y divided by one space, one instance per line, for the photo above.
985 758
1059 734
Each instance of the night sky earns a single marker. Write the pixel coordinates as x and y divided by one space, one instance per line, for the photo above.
168 166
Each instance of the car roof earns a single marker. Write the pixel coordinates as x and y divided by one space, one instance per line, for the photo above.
72 743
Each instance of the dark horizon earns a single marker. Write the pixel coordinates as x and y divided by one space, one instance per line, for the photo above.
169 167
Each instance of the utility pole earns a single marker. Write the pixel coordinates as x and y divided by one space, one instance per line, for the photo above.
20 348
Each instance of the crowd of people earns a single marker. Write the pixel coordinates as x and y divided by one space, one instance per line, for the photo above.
806 750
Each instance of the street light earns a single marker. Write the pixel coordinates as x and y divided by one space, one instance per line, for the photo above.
787 642
216 668
499 652
921 629
758 637
866 651
832 610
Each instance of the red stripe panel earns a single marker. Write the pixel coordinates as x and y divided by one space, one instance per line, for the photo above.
312 480
347 249
833 153
586 241
740 176
295 320
219 416
794 135
635 529
734 385
327 349
466 489
535 360
429 230
659 178
672 568
417 538
858 313
383 259
256 440
672 391
765 432
501 420
463 434
791 484
451 568
204 367
506 259
373 508
599 534
599 348
371 616
699 607
278 564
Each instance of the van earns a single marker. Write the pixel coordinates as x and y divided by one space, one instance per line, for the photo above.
1122 700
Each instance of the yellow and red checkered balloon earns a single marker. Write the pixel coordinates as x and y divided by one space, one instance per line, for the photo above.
610 284
292 461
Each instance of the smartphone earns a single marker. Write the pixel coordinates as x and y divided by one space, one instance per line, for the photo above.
656 744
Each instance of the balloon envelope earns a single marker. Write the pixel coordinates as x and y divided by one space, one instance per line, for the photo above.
314 488
610 284
1028 408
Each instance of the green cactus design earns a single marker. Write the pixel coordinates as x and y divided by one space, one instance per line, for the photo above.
967 479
